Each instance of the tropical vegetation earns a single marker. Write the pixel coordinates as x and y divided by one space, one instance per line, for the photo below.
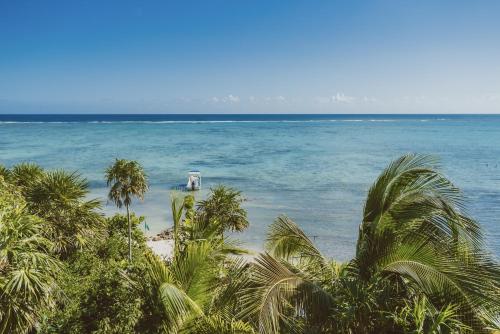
420 263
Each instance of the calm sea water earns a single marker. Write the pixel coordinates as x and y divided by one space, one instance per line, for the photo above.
314 168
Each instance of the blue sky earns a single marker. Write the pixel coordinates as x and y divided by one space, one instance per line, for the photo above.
250 56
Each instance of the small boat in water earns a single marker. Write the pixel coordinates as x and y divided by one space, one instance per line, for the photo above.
194 181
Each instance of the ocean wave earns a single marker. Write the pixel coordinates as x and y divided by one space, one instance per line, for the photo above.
223 121
37 122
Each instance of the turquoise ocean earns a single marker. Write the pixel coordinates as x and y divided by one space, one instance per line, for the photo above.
314 168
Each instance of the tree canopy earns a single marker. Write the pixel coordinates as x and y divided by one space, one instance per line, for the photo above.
420 266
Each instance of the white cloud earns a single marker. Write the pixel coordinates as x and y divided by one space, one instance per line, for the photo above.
268 99
232 98
342 98
225 99
337 98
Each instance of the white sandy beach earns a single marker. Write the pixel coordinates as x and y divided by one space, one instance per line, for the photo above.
162 248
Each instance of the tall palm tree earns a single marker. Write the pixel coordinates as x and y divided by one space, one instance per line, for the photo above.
415 241
126 179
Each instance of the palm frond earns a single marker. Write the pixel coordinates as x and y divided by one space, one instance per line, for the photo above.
175 303
286 240
281 294
25 174
437 271
408 198
4 173
195 270
215 324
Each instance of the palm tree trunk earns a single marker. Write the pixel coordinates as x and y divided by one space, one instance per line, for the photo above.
129 235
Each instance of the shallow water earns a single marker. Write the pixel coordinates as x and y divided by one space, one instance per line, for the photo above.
314 168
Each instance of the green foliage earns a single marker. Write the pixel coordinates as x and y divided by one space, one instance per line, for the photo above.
177 206
102 289
422 317
27 267
420 264
224 206
25 175
195 291
117 226
101 301
59 197
220 212
4 172
218 325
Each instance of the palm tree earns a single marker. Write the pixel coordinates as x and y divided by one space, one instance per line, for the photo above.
59 197
27 268
224 206
195 293
126 179
415 242
25 175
